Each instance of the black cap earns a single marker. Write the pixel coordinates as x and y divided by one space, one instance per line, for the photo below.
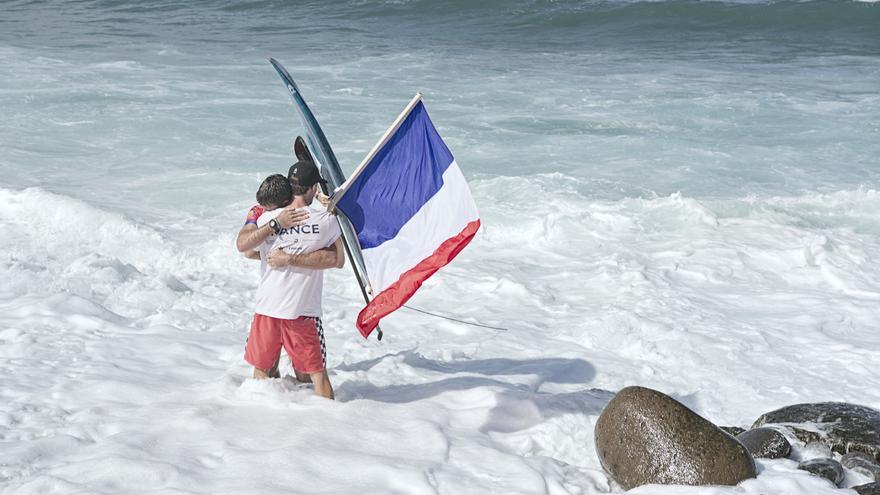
305 173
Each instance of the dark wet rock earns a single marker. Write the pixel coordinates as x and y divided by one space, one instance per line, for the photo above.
806 436
644 436
861 463
844 427
869 489
765 442
732 430
829 469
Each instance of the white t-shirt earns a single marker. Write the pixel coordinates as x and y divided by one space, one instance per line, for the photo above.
292 291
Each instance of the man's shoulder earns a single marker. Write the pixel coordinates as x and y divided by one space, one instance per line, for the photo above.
264 217
324 216
326 219
253 214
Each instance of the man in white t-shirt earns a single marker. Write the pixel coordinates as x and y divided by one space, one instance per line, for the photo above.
288 297
276 192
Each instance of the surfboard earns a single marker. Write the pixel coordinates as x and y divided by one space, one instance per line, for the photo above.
332 173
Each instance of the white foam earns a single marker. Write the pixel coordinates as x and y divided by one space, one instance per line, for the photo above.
122 348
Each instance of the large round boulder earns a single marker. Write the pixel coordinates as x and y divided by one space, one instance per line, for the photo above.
843 427
646 437
765 442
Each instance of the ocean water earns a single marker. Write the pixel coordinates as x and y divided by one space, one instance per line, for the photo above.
678 194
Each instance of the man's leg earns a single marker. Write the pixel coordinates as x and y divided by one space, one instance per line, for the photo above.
273 371
263 347
322 384
304 342
269 373
302 377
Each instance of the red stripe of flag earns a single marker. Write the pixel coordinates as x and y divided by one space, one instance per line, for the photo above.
399 292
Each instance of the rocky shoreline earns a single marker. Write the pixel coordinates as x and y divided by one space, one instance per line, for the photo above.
646 437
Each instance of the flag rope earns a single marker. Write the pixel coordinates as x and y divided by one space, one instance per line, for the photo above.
455 319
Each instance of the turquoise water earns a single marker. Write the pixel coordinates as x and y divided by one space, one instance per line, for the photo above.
160 106
665 113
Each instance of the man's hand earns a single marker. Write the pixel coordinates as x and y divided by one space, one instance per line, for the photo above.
291 217
323 198
278 258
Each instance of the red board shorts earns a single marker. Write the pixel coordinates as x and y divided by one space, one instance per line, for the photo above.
302 338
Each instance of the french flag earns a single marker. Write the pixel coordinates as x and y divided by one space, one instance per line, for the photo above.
411 208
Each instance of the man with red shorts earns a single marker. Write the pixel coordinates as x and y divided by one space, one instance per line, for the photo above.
274 193
288 307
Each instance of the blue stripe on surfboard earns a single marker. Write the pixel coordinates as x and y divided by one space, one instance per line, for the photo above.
315 135
405 173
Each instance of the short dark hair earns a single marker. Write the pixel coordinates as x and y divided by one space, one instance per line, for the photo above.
296 189
274 191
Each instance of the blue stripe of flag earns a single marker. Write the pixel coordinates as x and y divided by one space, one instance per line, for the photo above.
405 173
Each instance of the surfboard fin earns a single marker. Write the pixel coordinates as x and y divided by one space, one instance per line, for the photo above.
301 150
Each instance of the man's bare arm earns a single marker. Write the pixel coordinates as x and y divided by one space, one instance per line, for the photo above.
252 255
340 253
250 236
316 260
322 259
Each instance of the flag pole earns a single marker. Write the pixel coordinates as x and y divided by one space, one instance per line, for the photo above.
362 283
